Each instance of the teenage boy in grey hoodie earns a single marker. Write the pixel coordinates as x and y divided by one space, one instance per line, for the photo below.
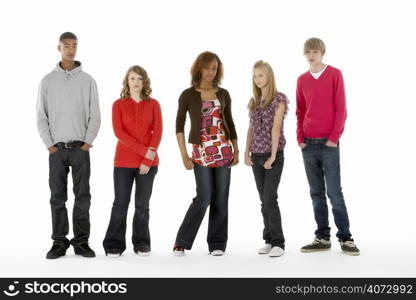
68 120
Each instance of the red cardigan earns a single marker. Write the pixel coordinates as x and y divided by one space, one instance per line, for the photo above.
137 126
320 105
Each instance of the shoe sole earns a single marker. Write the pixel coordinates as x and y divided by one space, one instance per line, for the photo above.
216 253
54 257
313 250
276 255
261 251
112 255
86 255
351 253
143 253
179 253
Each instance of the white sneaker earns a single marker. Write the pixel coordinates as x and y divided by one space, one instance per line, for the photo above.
113 255
140 253
178 251
217 253
265 249
276 251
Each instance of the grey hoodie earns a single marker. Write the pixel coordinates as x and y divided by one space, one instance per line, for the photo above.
67 107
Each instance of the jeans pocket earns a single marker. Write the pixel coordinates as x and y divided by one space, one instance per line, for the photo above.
331 147
279 158
82 150
153 170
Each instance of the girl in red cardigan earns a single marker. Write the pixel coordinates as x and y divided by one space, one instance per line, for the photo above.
137 124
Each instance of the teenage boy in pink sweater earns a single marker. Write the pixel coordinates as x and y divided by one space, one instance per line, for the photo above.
321 114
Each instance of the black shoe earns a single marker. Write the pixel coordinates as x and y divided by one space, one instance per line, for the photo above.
84 250
142 250
317 245
56 251
349 247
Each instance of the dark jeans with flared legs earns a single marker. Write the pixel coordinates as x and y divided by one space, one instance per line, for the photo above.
115 238
267 182
60 164
212 189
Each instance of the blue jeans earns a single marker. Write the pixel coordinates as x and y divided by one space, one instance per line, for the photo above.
267 182
212 188
323 168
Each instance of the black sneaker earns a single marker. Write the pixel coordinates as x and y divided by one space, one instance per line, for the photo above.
56 251
349 247
84 250
142 250
113 253
317 245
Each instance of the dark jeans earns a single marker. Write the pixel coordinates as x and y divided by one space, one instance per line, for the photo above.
323 167
59 165
212 188
115 237
267 182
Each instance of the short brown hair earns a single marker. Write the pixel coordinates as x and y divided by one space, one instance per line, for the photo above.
202 62
314 44
146 90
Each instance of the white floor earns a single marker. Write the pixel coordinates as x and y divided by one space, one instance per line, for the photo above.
382 223
375 261
377 148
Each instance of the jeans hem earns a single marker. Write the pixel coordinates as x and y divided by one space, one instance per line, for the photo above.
66 243
181 243
217 246
279 245
78 242
326 238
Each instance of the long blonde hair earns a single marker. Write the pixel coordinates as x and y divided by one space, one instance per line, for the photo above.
146 90
271 87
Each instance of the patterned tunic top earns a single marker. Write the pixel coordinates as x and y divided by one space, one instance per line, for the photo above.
214 149
261 121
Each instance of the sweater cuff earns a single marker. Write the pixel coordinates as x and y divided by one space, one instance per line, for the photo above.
333 139
89 139
147 162
49 144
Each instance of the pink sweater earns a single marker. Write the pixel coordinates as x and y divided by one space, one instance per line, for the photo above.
320 105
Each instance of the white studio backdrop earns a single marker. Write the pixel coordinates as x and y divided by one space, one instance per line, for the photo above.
372 42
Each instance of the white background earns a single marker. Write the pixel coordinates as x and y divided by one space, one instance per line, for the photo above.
372 42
